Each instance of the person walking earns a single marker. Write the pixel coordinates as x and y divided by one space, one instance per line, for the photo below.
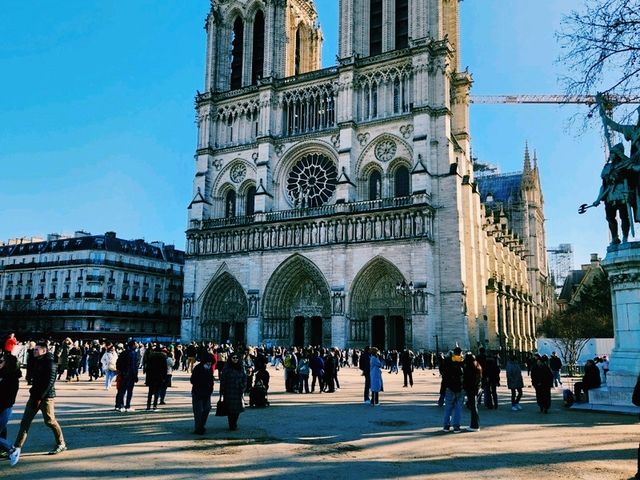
10 374
41 397
542 381
472 381
556 365
514 382
233 382
454 395
201 391
108 362
491 381
156 373
375 372
406 362
364 364
127 367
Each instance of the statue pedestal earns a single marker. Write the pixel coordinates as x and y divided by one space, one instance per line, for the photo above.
622 264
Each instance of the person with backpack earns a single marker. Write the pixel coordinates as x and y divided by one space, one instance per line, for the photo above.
304 369
514 382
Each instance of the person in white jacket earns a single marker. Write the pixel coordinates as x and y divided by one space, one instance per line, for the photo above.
108 362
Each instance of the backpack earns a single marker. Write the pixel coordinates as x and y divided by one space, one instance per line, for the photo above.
568 397
288 361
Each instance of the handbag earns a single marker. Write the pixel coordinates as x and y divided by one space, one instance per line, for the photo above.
221 408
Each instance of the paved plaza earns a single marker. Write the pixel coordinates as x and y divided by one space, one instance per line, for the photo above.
323 436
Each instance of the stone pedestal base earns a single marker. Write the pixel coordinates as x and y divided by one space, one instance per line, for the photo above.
622 264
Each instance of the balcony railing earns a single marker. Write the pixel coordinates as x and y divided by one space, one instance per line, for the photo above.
300 213
95 278
93 295
379 220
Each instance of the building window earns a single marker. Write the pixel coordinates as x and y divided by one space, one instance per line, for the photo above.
250 201
375 27
237 41
375 185
312 181
230 204
297 59
402 24
257 66
401 181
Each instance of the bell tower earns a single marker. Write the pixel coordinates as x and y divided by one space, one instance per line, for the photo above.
248 40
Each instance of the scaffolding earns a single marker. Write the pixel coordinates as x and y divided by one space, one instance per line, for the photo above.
560 263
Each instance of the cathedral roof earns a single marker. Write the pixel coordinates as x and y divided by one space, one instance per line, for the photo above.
503 188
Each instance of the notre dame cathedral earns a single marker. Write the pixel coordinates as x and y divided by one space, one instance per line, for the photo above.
340 206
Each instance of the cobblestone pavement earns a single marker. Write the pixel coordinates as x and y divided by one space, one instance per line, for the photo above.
323 436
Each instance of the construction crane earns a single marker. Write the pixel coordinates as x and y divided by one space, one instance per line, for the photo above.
549 99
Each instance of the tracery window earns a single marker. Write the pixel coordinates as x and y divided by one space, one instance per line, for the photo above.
312 181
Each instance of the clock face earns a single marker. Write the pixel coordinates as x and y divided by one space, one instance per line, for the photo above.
386 150
312 181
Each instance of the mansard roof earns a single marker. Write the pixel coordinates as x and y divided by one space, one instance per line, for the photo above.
504 188
107 242
571 284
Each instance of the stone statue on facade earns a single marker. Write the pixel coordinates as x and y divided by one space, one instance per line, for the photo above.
620 190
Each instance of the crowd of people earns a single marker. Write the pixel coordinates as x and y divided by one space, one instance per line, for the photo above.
467 379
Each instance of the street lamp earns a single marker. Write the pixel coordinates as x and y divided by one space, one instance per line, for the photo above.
405 291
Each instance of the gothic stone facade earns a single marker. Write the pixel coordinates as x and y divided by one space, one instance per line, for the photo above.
317 194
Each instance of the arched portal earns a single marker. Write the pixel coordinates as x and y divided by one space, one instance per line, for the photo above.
224 311
297 305
380 317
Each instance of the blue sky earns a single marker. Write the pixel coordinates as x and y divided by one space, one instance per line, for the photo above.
97 127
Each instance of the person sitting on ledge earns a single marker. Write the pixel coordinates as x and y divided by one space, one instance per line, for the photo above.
590 380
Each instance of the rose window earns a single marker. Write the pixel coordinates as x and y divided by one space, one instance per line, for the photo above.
312 181
385 150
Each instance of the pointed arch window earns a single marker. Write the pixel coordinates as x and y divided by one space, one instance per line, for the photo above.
401 182
397 96
237 44
250 201
298 48
257 64
230 204
375 185
375 27
402 24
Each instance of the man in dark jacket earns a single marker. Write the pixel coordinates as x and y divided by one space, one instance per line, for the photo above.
406 361
201 390
127 367
452 377
590 380
41 397
365 366
556 365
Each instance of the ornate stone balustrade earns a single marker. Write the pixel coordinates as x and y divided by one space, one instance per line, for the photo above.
379 220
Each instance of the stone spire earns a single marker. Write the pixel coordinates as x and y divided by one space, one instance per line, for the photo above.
527 159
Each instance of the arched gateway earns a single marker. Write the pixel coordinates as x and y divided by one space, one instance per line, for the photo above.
380 317
297 307
224 311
